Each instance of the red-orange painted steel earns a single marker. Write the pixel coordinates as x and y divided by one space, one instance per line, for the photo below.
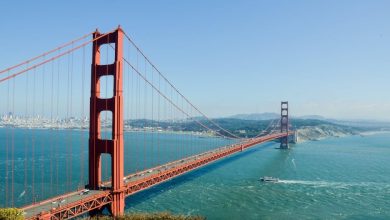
114 147
115 196
106 197
284 123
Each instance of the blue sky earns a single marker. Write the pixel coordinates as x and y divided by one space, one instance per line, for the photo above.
330 58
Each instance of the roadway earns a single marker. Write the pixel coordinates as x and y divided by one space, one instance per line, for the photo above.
72 200
66 199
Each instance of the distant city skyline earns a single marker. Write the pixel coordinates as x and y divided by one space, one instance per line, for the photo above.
328 58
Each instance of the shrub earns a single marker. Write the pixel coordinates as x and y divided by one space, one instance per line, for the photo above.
11 213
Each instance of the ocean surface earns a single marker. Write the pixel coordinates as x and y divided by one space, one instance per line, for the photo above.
335 178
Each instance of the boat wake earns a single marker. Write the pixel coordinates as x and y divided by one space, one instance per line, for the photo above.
332 184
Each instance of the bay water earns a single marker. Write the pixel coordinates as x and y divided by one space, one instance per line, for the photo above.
335 178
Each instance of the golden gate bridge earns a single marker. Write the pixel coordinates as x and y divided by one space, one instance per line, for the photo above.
127 94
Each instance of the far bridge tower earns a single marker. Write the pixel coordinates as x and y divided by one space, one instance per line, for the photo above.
284 122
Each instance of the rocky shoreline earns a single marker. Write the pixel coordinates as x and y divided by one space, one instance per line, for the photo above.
319 132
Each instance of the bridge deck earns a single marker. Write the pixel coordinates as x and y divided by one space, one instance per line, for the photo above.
76 203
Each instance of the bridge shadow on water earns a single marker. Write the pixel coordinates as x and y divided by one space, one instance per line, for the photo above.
171 184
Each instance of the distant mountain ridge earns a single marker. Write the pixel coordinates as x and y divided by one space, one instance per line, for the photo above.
272 115
317 117
256 116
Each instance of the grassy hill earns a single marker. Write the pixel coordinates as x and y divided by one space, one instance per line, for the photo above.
239 127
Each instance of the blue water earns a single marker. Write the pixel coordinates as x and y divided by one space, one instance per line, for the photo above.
46 163
335 178
342 178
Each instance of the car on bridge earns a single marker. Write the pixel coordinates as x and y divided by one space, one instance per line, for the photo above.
84 192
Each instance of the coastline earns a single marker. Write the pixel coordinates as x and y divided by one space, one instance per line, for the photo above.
369 133
126 130
320 132
305 133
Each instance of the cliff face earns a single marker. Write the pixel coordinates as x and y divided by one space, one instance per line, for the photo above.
318 132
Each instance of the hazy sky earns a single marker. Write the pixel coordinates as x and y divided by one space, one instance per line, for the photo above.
330 58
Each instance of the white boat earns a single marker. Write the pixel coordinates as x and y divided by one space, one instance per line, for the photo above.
269 179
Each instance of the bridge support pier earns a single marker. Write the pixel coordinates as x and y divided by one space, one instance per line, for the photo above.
118 204
284 122
113 146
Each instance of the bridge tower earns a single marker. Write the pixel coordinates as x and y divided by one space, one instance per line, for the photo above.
113 146
284 122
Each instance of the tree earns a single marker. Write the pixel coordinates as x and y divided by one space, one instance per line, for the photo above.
11 213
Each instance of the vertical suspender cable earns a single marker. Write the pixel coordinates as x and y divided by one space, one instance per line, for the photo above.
12 145
128 89
130 109
42 139
33 141
138 117
7 146
57 122
192 135
158 124
145 107
174 148
189 131
166 115
51 122
26 136
178 136
82 120
67 121
70 121
184 133
152 131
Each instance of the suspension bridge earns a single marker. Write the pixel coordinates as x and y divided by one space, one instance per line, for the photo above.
58 163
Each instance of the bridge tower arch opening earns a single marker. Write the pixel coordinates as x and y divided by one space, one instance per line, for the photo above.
284 122
114 104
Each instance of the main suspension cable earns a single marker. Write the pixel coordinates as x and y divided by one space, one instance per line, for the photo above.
159 72
170 101
53 58
46 53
